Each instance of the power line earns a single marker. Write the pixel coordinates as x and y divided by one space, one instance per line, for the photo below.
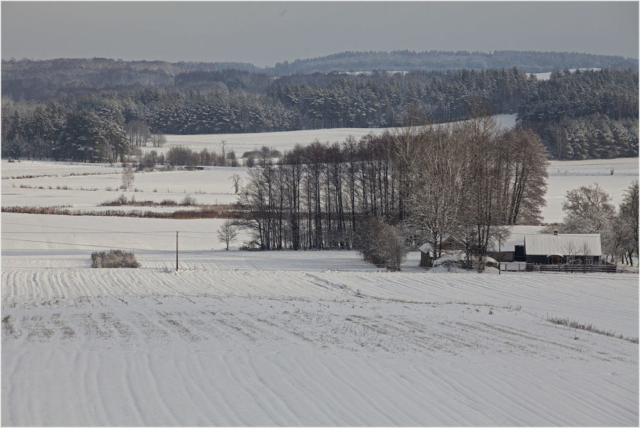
91 233
103 230
86 245
79 228
88 230
169 234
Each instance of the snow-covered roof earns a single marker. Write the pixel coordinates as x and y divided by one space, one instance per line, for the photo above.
565 244
515 238
507 247
426 247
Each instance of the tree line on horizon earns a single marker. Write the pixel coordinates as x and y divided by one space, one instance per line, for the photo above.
114 74
406 60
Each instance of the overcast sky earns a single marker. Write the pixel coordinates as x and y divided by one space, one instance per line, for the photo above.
268 32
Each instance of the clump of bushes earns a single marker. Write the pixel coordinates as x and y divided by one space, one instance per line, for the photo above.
210 211
381 244
148 161
113 259
188 201
264 152
119 201
184 156
56 209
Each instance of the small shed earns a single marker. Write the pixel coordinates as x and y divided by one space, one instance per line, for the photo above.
546 249
426 255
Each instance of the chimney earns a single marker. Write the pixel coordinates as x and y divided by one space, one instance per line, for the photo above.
555 233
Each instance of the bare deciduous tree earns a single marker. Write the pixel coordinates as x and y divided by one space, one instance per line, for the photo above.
158 140
127 176
228 232
236 182
138 133
628 222
223 144
588 210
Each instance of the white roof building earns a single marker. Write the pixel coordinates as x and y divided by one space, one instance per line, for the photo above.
563 245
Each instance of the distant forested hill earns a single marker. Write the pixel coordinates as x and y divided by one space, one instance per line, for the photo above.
59 77
56 78
529 61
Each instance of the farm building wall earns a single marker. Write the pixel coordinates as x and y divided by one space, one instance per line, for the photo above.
538 260
425 260
504 256
543 260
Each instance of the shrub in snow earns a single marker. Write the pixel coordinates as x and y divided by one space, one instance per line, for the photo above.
113 259
381 244
188 201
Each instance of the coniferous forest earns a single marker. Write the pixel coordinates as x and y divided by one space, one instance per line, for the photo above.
95 110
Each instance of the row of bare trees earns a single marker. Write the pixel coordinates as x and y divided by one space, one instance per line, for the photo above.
139 134
454 182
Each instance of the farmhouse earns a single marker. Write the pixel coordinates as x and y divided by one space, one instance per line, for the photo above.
563 249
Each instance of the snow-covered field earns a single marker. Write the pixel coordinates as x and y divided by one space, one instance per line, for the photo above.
292 338
214 185
37 168
210 186
296 338
281 141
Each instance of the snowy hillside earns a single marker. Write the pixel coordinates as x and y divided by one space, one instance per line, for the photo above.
281 141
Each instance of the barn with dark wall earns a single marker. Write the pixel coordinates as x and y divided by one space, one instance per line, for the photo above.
545 249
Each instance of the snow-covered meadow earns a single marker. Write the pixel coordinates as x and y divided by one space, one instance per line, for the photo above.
215 186
209 186
308 338
281 141
291 338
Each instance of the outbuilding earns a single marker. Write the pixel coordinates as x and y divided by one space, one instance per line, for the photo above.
426 255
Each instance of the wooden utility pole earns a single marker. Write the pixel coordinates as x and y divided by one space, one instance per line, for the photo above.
176 250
